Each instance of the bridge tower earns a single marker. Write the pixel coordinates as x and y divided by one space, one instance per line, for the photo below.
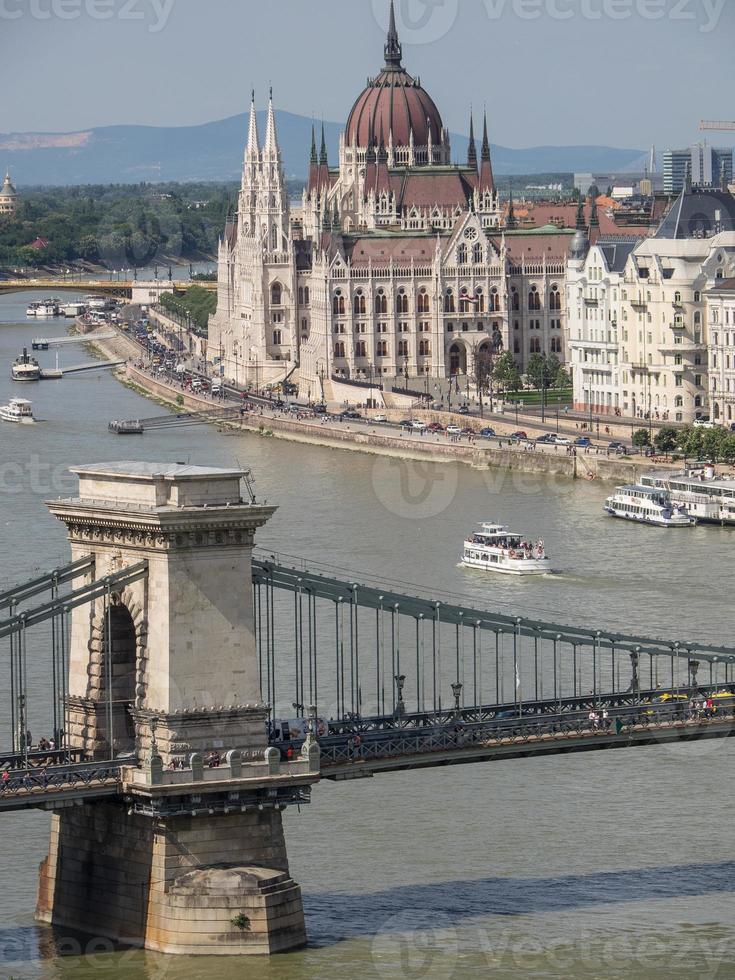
190 860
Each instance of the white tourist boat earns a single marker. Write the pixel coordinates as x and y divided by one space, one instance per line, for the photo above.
494 548
19 410
25 368
48 308
32 309
700 491
647 505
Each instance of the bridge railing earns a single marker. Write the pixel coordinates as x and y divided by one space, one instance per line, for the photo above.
519 731
41 782
356 649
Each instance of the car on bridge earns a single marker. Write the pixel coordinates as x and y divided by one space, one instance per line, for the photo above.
488 433
583 442
519 436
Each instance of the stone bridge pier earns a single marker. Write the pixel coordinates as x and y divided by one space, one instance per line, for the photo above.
190 860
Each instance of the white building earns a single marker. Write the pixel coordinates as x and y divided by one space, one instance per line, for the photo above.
641 338
720 300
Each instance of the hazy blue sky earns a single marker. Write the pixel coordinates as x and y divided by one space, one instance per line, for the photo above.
618 72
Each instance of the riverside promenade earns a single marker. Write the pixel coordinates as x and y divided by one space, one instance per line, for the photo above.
364 436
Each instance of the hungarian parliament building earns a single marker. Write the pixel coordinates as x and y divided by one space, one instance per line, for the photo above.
397 262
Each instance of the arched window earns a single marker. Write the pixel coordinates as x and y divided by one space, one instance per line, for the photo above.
477 254
423 302
534 300
425 348
679 402
276 294
494 301
339 350
555 298
401 302
301 295
698 401
535 347
677 298
449 306
361 349
381 303
338 304
465 303
697 319
359 304
277 338
403 348
462 255
306 295
516 346
382 349
480 298
515 300
697 297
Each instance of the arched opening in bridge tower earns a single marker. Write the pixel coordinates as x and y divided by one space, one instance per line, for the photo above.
118 680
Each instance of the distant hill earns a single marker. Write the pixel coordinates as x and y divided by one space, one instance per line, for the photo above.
213 151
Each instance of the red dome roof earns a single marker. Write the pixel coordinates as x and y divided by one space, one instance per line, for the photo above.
394 103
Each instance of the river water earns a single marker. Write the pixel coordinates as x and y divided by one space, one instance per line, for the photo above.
606 865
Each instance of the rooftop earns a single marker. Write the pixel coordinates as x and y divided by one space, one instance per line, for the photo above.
157 471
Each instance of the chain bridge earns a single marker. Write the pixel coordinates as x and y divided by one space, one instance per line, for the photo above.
192 688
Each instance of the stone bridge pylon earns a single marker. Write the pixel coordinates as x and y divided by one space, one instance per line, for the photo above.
188 860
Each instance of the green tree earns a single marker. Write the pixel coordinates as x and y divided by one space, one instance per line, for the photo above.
689 441
506 373
543 371
666 439
641 439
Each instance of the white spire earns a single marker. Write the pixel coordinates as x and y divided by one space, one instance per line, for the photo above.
253 151
271 139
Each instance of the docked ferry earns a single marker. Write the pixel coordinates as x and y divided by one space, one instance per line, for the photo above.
704 495
19 410
494 548
646 505
25 368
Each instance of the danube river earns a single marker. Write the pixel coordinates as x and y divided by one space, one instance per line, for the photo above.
596 865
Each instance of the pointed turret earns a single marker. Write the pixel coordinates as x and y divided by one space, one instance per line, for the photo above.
510 223
594 216
487 180
581 221
270 147
393 49
324 180
472 149
253 150
313 184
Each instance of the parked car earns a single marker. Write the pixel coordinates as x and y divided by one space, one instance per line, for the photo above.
464 410
350 414
562 441
520 435
583 442
546 440
418 425
406 424
435 427
487 433
618 447
454 430
380 418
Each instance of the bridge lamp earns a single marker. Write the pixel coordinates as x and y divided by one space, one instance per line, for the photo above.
457 692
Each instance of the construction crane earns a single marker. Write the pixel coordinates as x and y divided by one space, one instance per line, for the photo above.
723 127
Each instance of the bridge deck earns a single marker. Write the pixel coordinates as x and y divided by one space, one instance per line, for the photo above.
383 752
